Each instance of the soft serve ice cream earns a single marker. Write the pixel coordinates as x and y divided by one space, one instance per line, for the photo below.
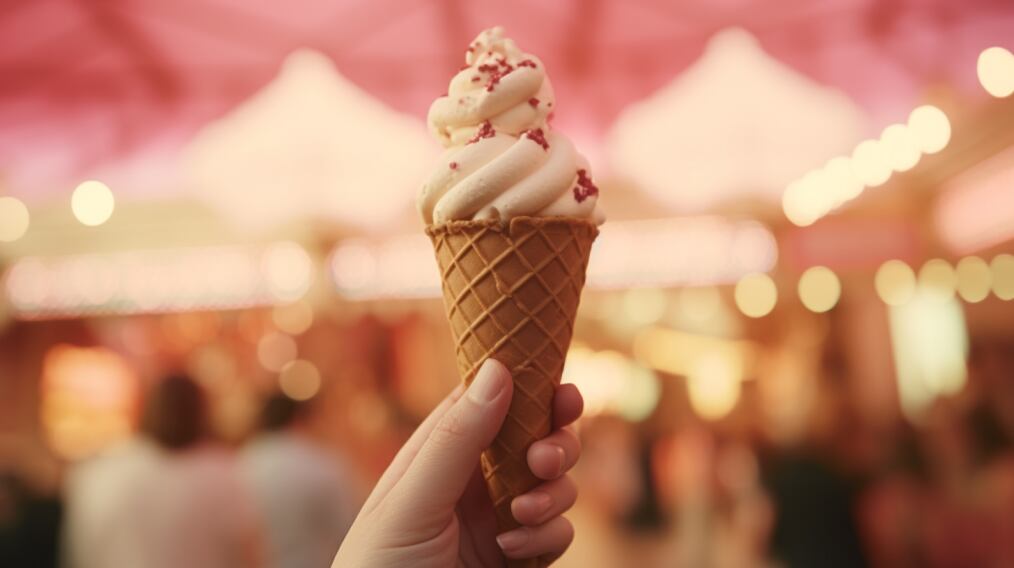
502 159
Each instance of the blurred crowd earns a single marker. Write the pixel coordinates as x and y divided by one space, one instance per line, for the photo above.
843 491
675 489
174 496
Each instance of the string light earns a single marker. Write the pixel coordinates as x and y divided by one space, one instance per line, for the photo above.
937 279
275 350
973 279
92 203
1003 276
868 160
900 147
930 128
14 219
819 289
756 295
996 71
894 282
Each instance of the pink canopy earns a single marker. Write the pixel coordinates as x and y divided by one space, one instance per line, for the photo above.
84 83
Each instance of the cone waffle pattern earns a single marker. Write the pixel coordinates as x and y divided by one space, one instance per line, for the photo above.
511 293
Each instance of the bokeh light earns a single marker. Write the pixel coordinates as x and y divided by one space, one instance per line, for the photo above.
869 161
930 128
819 289
275 350
1003 276
14 219
288 270
973 279
699 304
714 385
294 318
900 147
644 306
895 282
756 295
841 177
92 203
996 71
937 279
299 380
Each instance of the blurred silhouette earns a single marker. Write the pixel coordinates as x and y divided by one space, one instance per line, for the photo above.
29 525
167 498
304 494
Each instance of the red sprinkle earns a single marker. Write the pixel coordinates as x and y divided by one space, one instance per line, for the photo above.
585 188
476 79
453 165
485 131
534 102
551 116
527 63
536 135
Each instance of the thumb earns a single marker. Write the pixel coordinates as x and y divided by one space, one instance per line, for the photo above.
437 477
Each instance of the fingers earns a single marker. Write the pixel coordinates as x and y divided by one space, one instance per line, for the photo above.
550 539
567 405
437 477
554 455
551 499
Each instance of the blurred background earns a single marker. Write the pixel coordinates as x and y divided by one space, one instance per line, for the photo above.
796 344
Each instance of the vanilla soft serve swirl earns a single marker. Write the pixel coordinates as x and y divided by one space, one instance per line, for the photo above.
502 159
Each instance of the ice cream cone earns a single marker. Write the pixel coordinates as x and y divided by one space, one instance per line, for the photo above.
511 292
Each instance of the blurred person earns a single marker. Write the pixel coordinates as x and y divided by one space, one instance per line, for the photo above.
431 507
167 498
306 497
815 497
29 525
968 517
31 510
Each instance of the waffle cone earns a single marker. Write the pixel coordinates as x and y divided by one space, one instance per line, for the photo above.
511 292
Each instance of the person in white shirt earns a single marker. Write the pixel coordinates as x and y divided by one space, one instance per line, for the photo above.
165 499
305 495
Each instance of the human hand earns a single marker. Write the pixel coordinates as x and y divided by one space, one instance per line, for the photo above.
431 508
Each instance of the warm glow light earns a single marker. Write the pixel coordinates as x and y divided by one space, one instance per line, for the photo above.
895 282
714 385
612 383
299 380
937 279
288 270
819 289
143 281
842 180
756 295
293 319
900 147
974 279
88 399
14 219
996 71
801 206
275 350
930 344
699 304
644 306
92 203
930 128
1003 276
869 161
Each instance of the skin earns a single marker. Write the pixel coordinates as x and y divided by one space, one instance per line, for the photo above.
431 509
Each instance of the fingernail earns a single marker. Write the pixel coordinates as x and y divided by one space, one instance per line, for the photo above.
514 539
489 382
536 502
